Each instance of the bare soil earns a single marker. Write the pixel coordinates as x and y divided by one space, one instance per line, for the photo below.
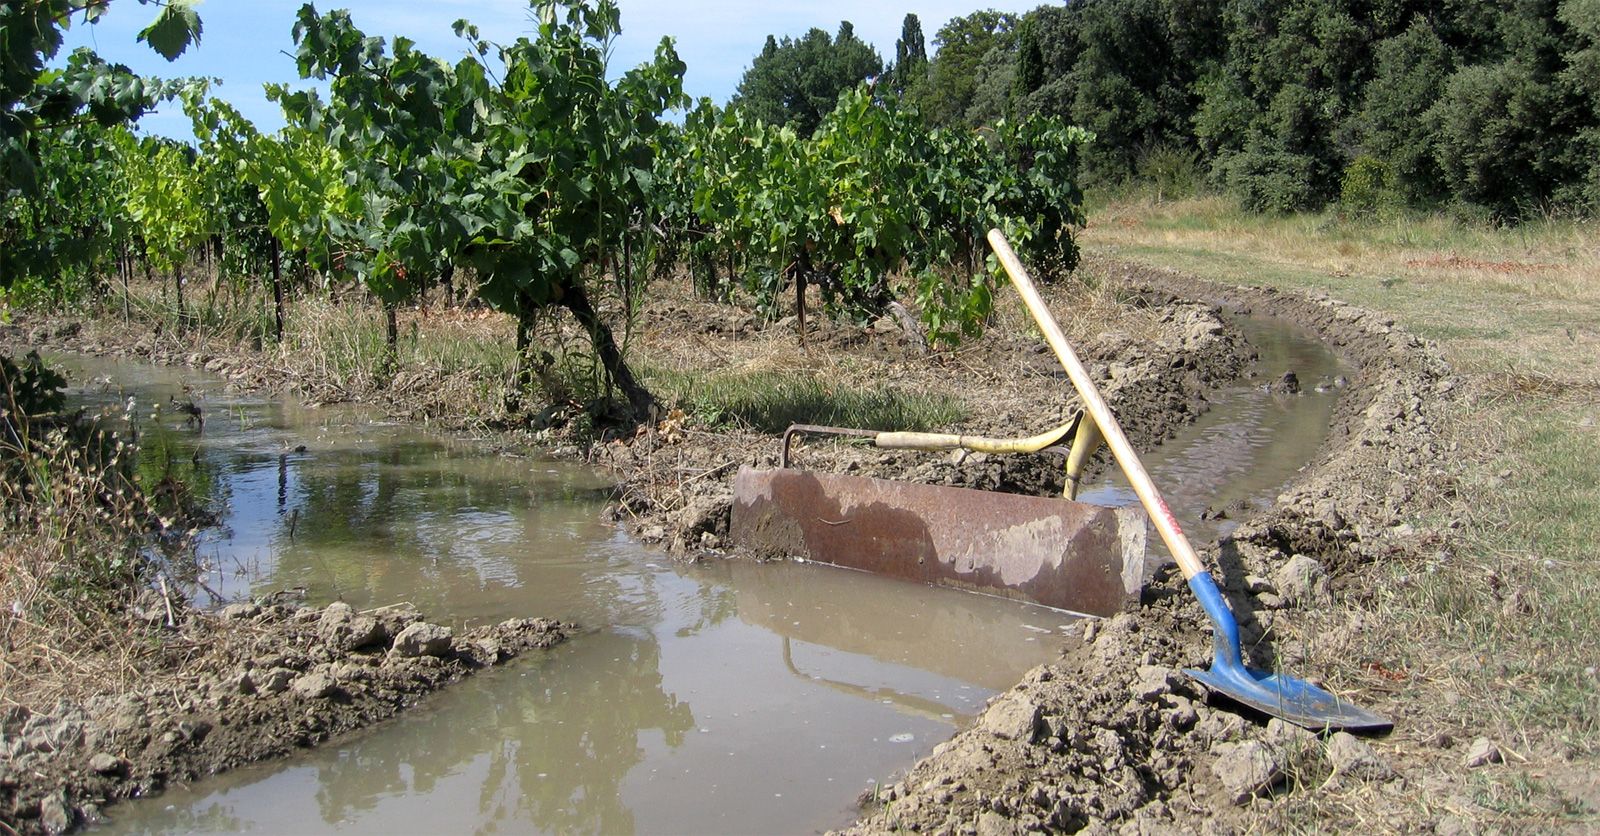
220 690
1155 356
1115 737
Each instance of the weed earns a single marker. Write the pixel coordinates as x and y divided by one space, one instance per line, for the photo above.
770 402
75 532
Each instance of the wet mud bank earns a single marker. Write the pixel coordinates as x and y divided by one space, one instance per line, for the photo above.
676 481
225 689
1114 737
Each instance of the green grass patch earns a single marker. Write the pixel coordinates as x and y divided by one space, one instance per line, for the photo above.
771 401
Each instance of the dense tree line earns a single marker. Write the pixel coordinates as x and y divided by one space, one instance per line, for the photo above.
1293 104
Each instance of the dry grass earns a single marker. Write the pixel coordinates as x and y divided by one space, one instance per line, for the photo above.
73 535
1525 299
765 377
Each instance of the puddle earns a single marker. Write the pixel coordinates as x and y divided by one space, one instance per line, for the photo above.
719 698
1237 456
726 697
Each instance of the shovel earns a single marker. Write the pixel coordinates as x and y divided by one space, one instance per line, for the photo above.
1276 694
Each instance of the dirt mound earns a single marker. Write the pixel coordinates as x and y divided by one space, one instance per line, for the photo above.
1114 736
226 689
676 485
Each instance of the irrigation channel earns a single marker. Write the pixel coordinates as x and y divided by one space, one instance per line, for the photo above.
726 696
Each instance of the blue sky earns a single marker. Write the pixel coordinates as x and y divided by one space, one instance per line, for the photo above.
246 42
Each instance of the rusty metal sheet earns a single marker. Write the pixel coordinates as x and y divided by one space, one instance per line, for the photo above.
1068 555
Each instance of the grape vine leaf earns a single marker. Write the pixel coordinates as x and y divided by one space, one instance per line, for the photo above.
173 30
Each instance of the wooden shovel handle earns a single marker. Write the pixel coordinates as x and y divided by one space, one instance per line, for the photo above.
1171 533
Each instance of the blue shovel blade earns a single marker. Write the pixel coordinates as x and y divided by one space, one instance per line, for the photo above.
1295 700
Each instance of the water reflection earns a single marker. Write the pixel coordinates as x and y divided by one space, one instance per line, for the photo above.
727 697
1250 443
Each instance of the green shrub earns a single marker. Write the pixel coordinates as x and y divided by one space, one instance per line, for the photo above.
1369 189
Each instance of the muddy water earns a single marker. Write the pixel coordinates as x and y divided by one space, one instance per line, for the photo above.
728 697
1234 460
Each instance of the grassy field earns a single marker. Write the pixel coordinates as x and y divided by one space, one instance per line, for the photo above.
1501 629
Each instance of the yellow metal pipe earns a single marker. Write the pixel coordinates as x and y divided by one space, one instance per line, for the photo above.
1084 442
975 443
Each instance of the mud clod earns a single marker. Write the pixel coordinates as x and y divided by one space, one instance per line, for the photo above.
285 688
1013 717
1301 582
55 816
106 763
422 639
1248 768
1351 756
316 685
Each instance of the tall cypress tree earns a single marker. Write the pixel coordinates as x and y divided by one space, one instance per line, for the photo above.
910 55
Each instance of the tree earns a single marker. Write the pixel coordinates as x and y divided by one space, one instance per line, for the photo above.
797 82
910 56
1582 76
952 81
35 101
536 175
1277 116
1410 77
165 197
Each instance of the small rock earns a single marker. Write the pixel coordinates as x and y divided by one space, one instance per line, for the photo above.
240 683
337 612
1327 512
1257 584
1153 682
1183 715
1014 717
1247 769
994 824
1271 601
194 731
239 612
422 639
1285 734
54 814
106 763
1482 752
275 681
1301 581
1352 756
1289 384
315 685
